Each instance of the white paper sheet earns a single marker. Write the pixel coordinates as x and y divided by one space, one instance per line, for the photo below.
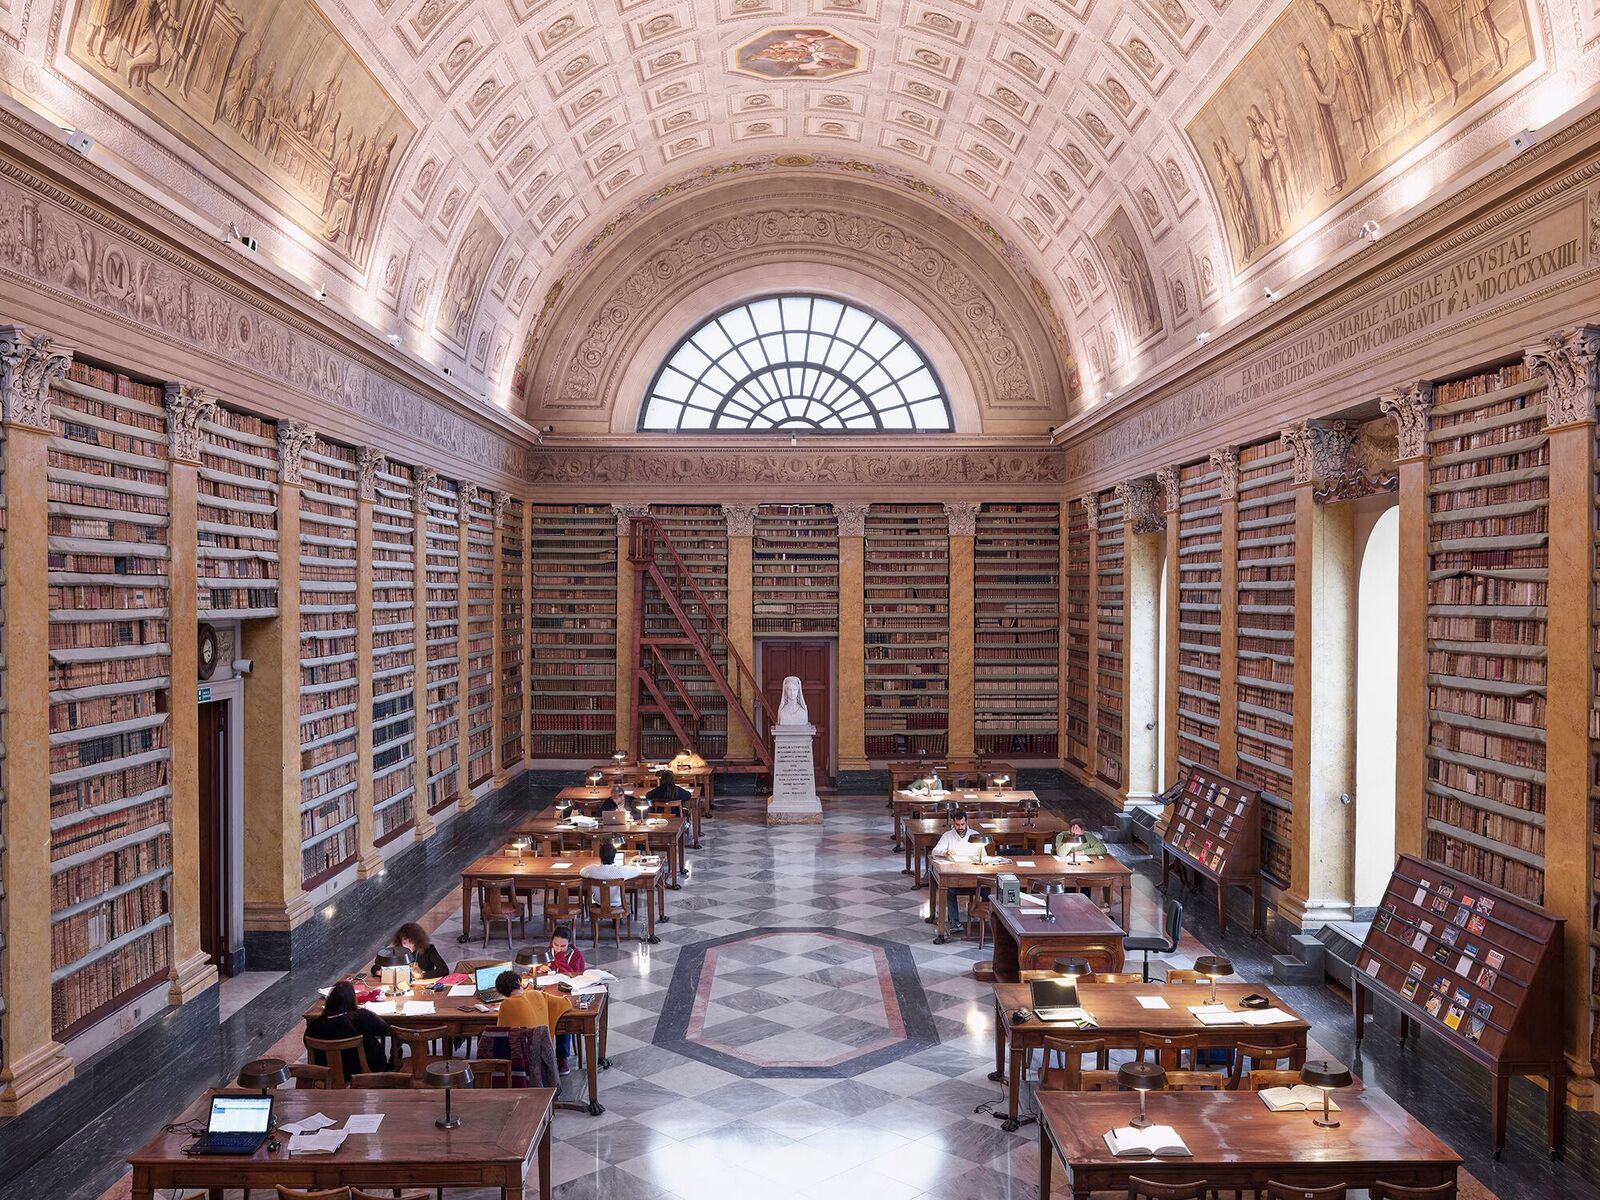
363 1122
326 1142
1151 1002
384 1008
309 1124
560 866
462 989
1026 862
418 1008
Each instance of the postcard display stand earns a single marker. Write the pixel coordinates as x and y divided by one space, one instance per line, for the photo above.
1478 966
1215 831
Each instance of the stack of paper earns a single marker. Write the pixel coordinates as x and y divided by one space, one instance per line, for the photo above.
1217 1014
462 989
326 1142
384 1008
309 1124
418 1008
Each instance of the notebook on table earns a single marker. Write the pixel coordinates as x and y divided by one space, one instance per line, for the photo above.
483 979
1057 1000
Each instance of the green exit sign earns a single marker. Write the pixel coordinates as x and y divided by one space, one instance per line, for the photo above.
202 695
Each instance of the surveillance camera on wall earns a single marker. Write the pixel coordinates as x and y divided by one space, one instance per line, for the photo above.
1523 140
1369 231
1269 294
78 140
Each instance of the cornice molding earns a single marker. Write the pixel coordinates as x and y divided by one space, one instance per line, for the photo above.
700 465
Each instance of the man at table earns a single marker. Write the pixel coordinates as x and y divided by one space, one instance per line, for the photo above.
529 1008
609 868
1091 846
958 844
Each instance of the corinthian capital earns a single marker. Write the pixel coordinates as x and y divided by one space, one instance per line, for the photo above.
625 515
1409 405
294 439
963 519
1566 361
1141 505
1091 509
187 407
1167 479
1321 449
852 519
1226 464
369 465
741 519
29 364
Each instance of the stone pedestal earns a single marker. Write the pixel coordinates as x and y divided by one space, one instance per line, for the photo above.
794 782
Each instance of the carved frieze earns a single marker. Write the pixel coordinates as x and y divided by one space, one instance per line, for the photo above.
1321 449
1142 507
187 406
369 464
712 467
963 518
29 364
294 439
1566 361
1409 405
1226 464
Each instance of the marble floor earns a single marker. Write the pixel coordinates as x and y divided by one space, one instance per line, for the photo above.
796 1033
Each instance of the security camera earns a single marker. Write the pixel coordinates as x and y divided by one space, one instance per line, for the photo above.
1369 231
78 140
1202 337
1110 395
321 293
244 239
1523 140
1269 294
392 338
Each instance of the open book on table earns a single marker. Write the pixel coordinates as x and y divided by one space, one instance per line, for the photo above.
1302 1097
1156 1141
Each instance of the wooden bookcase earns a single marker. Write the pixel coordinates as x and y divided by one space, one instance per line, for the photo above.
394 659
574 676
1474 965
1594 772
1079 623
1265 645
329 721
237 517
1016 626
906 630
700 533
795 563
480 631
1488 571
513 620
1110 638
1214 831
442 534
110 750
5 775
1199 701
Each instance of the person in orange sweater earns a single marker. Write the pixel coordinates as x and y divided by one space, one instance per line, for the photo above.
531 1007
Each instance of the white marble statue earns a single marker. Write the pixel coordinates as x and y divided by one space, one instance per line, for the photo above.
792 708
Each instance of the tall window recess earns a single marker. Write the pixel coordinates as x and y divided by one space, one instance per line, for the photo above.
1488 573
480 559
795 557
1199 614
329 723
513 602
394 635
1265 644
700 533
110 748
442 639
574 665
907 630
795 362
1016 629
1110 683
1079 685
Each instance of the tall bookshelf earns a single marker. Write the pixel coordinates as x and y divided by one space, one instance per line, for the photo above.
1265 644
1079 623
1594 766
394 663
330 725
1110 639
1488 571
479 621
110 754
795 563
513 617
5 741
1016 629
236 513
907 630
699 531
442 639
574 651
1199 702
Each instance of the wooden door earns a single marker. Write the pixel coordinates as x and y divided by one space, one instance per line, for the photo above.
812 663
215 836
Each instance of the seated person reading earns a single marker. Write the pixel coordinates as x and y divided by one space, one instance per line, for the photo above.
667 792
565 959
528 1008
1092 846
429 962
609 868
612 811
341 1018
958 844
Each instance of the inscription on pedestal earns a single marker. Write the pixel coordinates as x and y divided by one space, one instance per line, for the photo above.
794 782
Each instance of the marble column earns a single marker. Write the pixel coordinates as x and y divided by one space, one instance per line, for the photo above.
627 651
1144 550
741 519
466 499
422 479
1567 363
1226 464
963 520
1167 481
191 971
35 1063
369 860
851 738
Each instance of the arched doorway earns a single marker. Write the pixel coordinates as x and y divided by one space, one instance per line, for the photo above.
1378 626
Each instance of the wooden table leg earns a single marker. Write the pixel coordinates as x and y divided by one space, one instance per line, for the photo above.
936 898
591 1057
544 1162
1497 1110
1047 1154
1015 1070
661 890
605 1030
466 910
141 1184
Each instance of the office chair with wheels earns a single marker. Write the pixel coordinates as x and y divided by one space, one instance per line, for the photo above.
1165 942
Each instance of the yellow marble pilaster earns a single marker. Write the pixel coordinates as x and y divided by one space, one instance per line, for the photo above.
497 684
963 521
1091 769
1167 478
34 1065
369 861
465 498
1144 550
741 615
851 739
422 478
627 689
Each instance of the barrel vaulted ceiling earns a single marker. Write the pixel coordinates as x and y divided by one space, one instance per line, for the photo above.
446 168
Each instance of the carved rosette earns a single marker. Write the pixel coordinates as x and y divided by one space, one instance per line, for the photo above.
466 497
741 519
1141 504
625 515
294 439
1091 507
369 465
187 407
29 364
422 481
1321 449
1167 478
963 519
852 519
1409 405
1226 464
1566 361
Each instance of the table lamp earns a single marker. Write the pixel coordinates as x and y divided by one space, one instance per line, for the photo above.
1325 1074
594 778
449 1073
1140 1077
389 961
1213 967
264 1073
1072 970
519 844
619 757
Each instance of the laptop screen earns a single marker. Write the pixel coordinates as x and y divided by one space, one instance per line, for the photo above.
240 1114
1053 993
483 978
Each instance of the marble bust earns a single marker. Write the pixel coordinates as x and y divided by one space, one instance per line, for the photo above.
792 707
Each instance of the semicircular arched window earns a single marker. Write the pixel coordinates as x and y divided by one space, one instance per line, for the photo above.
795 362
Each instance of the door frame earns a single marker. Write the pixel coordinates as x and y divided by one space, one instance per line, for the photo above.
832 758
231 691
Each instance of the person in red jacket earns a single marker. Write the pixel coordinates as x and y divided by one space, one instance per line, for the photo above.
565 959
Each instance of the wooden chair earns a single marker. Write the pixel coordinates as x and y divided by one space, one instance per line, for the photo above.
490 1072
978 912
358 1194
333 1051
309 1075
1143 1189
1116 977
1292 1191
1070 1076
1400 1191
422 1045
1185 975
1170 1049
563 904
498 905
289 1193
1274 1060
607 902
468 965
384 1079
1197 1081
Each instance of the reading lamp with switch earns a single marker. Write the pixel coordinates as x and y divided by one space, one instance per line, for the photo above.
1072 970
594 778
1142 1077
529 956
449 1073
389 961
619 757
1213 967
264 1073
1325 1075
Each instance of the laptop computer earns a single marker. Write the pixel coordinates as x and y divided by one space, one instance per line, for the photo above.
1054 999
237 1125
483 979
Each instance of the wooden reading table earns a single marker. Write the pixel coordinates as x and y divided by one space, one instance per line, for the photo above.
502 1131
529 872
1235 1143
1035 834
697 781
949 769
1104 875
996 802
1120 1018
1024 941
664 835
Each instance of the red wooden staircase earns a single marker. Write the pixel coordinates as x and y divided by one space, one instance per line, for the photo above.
694 634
